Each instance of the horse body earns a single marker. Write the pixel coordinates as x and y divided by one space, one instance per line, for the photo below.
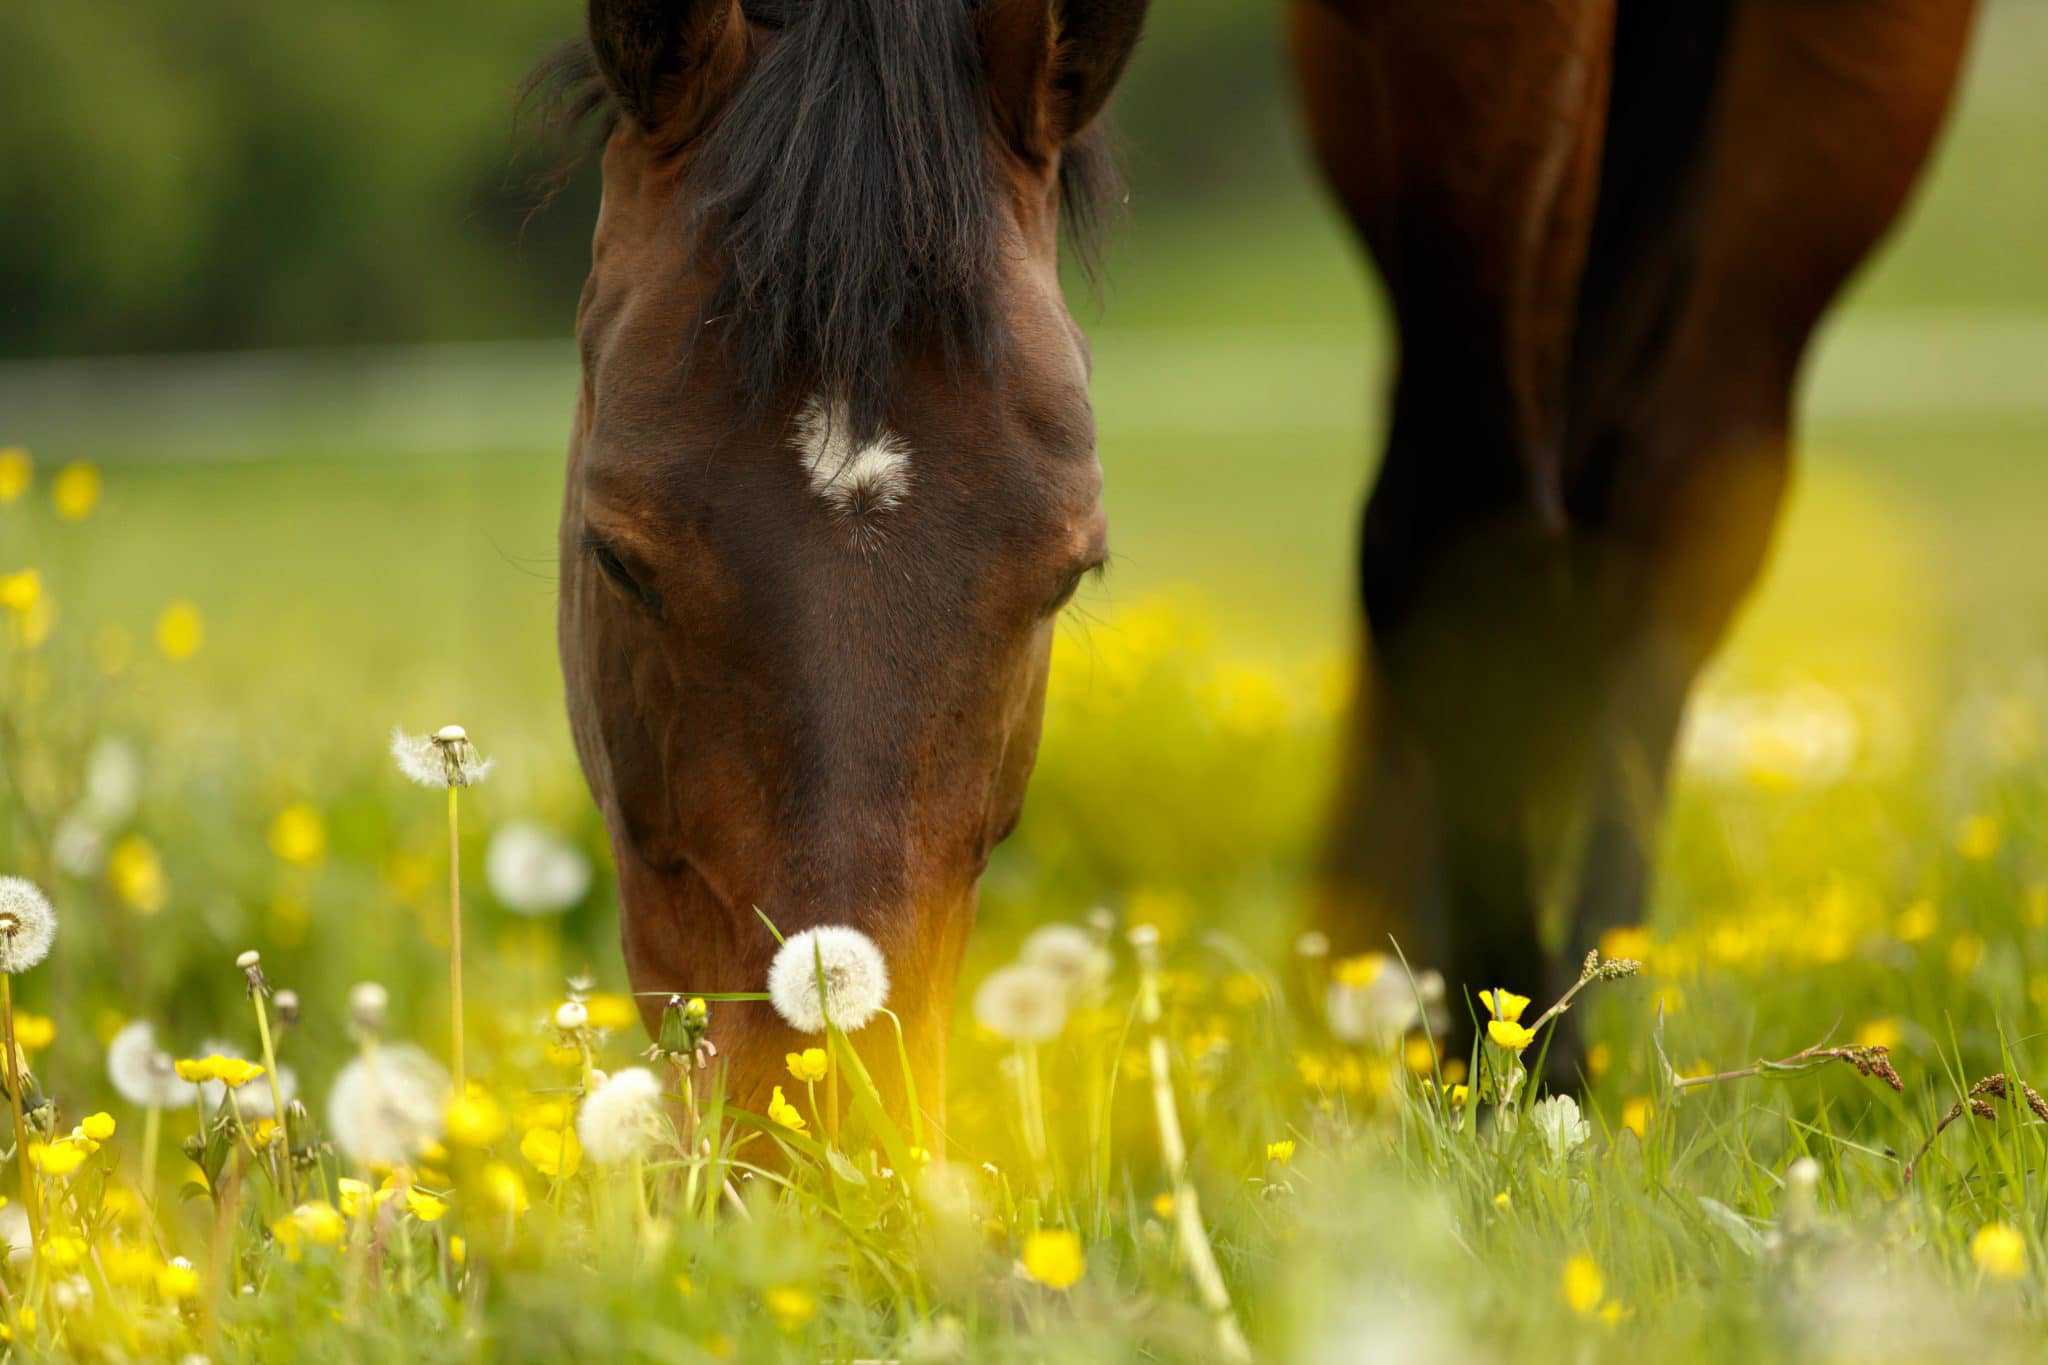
832 476
1607 229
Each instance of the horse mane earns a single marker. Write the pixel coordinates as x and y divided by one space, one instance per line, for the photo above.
851 190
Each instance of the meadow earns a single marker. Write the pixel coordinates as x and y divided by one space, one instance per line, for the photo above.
224 580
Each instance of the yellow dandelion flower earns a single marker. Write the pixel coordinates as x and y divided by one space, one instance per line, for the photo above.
1281 1152
1583 1285
791 1306
784 1113
474 1119
179 631
1504 1005
17 470
1053 1257
1508 1034
809 1065
75 490
298 834
2000 1251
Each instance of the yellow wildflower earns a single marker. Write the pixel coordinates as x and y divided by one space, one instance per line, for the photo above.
554 1152
1635 1115
99 1127
63 1253
784 1113
1502 1202
56 1158
298 834
1627 941
2000 1251
179 631
129 1265
1584 1286
1053 1257
1884 1033
34 1032
791 1306
1599 1058
357 1199
504 1189
1508 1034
1917 922
1965 951
808 1065
423 1206
261 1132
1358 972
16 469
21 591
1979 837
317 1222
1419 1054
1504 1005
613 1013
474 1119
1281 1152
75 491
1162 1204
458 1251
136 874
178 1280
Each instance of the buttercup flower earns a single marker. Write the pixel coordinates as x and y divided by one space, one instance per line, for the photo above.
28 925
554 1152
785 1113
1583 1285
534 871
2000 1251
1053 1257
386 1105
856 979
621 1119
1504 1005
1509 1035
1022 1003
808 1065
143 1073
445 758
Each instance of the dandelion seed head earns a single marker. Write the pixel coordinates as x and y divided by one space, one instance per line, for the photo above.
571 1015
621 1119
367 1002
249 959
28 925
434 761
142 1073
1023 1003
1072 954
386 1105
534 871
856 979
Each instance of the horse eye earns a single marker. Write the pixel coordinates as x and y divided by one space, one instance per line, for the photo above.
614 568
1071 585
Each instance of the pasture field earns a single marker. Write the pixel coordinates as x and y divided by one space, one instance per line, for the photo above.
206 640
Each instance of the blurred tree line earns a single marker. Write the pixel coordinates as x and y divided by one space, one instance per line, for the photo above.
235 173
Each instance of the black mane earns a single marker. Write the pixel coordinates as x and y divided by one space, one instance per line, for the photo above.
850 189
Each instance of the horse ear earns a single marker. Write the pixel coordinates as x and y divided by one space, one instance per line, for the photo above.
1052 63
670 64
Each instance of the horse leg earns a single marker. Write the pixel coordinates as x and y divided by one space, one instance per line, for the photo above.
1825 118
1463 141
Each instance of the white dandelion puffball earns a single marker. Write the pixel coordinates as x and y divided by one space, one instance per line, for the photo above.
253 1098
113 782
856 979
1388 1006
534 871
27 925
386 1105
79 847
445 758
143 1073
622 1118
1072 954
1023 1002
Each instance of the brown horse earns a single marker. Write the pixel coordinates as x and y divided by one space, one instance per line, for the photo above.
833 471
1608 229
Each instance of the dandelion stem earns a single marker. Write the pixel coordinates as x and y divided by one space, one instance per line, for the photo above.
152 1136
1187 1213
29 1201
455 936
282 1164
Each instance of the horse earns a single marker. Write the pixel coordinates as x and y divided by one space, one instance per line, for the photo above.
1607 230
832 474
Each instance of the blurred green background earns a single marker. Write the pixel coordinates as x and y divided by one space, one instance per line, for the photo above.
274 269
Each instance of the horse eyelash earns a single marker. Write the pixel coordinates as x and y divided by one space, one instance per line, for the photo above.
614 568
